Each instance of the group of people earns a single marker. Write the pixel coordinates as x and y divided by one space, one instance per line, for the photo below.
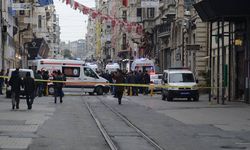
34 88
16 82
133 77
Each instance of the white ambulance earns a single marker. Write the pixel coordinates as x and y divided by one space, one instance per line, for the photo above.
77 74
143 64
112 67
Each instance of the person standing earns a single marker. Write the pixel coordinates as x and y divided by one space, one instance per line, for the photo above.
58 92
29 86
146 80
119 78
15 83
1 81
38 89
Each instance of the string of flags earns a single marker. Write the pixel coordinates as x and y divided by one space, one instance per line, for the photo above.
94 14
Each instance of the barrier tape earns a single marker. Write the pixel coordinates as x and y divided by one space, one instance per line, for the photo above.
119 84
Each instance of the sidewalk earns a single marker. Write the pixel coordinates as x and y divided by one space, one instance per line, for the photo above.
18 127
233 116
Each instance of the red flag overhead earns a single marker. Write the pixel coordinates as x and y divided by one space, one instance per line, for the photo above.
85 10
125 3
76 5
67 2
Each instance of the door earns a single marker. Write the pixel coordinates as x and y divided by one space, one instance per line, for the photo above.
89 78
240 70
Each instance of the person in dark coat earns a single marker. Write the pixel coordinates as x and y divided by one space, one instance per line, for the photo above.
146 80
119 78
15 83
45 84
58 92
29 86
1 81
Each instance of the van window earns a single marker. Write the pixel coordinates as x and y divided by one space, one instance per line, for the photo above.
90 73
71 71
22 74
181 77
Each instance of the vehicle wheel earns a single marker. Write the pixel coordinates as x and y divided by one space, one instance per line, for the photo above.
91 93
99 90
196 98
163 97
169 99
51 90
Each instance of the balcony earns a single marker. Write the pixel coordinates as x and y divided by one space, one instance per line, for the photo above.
164 29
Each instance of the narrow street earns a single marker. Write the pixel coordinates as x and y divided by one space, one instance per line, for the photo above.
177 125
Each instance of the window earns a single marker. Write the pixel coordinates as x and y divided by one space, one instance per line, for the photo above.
89 73
124 15
124 41
71 71
138 12
150 12
39 21
181 77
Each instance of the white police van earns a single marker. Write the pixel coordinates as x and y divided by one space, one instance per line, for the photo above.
180 83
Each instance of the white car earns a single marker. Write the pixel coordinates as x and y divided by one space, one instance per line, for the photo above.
156 80
22 74
180 83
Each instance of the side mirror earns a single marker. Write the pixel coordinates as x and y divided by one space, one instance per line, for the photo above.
197 81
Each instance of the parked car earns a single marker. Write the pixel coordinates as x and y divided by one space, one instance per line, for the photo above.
22 74
156 79
181 83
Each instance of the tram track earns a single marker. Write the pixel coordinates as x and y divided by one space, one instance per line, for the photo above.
107 137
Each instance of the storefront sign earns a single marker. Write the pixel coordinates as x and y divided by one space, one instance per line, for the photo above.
21 6
149 3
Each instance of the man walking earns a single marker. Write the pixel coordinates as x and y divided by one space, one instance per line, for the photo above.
1 81
29 86
15 83
58 92
119 89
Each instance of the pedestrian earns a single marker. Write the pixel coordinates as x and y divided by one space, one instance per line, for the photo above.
45 84
58 92
15 83
146 80
119 78
1 81
29 86
39 84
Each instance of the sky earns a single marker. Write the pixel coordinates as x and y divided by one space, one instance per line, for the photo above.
73 23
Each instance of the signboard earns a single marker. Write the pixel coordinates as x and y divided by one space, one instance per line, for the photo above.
21 6
149 3
193 47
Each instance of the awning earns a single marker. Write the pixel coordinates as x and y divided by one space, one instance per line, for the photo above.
212 10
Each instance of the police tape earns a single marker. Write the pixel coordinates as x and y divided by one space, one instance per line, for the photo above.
153 86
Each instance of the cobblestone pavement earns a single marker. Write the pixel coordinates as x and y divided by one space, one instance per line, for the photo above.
18 127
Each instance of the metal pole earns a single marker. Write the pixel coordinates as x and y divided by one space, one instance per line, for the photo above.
183 34
247 80
229 60
210 59
223 62
218 62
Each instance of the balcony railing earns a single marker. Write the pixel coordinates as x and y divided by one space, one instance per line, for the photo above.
164 29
